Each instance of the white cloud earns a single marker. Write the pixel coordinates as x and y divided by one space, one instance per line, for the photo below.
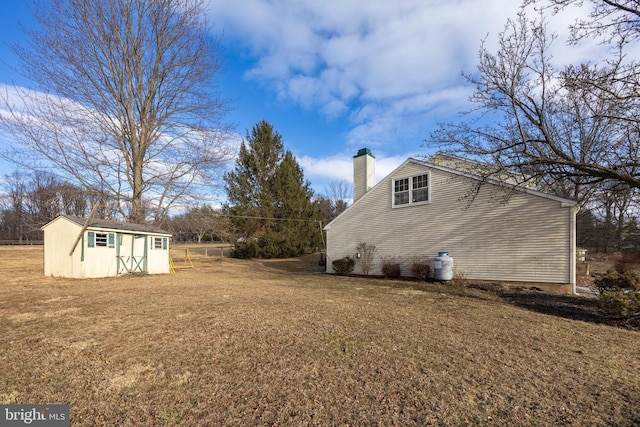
322 171
376 62
392 68
385 49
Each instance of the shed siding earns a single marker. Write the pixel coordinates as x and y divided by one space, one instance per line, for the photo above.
58 241
527 239
99 261
158 259
93 261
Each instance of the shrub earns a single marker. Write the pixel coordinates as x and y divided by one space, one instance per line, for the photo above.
623 304
343 266
391 268
421 270
245 249
460 279
366 253
619 295
615 281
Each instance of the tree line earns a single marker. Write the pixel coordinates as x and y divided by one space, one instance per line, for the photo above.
271 210
124 108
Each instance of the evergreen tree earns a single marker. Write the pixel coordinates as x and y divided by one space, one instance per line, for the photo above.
270 203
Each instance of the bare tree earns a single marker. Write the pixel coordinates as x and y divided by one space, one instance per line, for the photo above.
14 215
339 192
540 122
124 101
365 254
335 201
33 199
201 221
613 21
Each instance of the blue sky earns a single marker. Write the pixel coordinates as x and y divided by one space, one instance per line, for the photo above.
334 76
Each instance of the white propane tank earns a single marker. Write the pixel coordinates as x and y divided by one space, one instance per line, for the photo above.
443 267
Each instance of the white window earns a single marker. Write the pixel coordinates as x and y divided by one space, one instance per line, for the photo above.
410 190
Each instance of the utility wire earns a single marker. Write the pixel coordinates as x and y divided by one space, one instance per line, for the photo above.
261 217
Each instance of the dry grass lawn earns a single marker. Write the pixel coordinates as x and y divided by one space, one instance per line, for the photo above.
248 343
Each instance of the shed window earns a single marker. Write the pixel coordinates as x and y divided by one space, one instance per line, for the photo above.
159 243
407 191
101 239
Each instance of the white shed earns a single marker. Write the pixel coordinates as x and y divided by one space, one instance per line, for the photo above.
104 249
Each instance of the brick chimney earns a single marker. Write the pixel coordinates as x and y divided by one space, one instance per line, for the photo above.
364 172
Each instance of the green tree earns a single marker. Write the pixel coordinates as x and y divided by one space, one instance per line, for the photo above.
269 202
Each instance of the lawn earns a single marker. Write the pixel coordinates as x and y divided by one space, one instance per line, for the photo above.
248 343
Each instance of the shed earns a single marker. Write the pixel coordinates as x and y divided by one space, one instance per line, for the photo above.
495 231
104 249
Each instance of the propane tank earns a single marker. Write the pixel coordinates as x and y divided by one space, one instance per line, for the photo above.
443 267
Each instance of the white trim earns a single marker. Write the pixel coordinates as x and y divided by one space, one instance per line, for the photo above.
410 190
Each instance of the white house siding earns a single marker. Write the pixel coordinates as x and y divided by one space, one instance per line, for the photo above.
528 239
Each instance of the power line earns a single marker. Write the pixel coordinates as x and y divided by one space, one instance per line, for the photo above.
261 217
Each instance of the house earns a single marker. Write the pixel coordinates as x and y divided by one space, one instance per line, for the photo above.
101 248
495 232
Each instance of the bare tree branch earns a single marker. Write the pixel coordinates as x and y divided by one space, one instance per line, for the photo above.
124 101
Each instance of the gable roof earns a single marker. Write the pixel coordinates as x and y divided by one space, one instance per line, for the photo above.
111 225
466 174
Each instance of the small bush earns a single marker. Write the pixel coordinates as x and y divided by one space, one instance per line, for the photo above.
421 270
615 281
622 304
366 252
391 268
343 266
460 279
245 249
619 295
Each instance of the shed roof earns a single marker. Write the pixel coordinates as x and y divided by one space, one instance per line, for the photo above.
113 225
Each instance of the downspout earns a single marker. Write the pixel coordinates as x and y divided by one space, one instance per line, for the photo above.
573 254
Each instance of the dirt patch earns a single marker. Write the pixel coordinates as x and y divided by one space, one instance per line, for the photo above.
565 306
